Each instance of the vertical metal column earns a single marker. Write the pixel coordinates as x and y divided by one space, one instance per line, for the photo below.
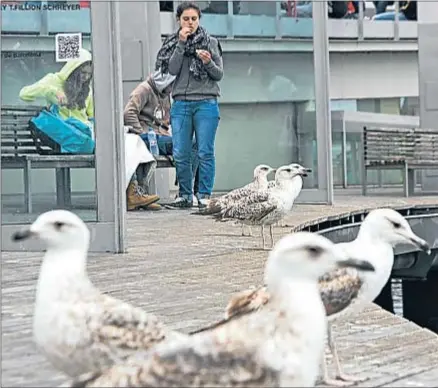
428 76
322 98
108 110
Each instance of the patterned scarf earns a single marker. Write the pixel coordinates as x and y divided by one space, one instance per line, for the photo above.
200 40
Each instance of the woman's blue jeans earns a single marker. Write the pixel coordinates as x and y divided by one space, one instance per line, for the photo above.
200 118
165 146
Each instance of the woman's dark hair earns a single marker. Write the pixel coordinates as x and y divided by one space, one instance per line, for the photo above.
187 5
75 89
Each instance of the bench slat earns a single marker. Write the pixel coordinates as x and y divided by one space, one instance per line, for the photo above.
427 162
17 144
22 117
23 151
15 135
15 127
389 147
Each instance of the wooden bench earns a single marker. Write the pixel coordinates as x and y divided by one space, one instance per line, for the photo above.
21 149
399 148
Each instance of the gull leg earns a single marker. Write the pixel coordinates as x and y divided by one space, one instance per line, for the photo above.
243 231
271 232
341 379
263 236
329 381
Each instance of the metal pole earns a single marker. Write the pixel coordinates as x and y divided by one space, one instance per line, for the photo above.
360 21
397 21
120 207
322 98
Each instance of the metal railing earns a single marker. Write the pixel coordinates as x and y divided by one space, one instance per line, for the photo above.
280 19
257 19
410 263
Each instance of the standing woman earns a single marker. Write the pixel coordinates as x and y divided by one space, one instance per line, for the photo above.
195 58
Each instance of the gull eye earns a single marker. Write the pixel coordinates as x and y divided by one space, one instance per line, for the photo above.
314 251
58 225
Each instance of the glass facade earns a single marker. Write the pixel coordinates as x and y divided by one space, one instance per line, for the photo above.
264 111
32 183
274 105
286 19
53 85
387 109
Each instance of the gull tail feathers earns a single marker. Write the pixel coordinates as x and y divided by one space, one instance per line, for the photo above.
247 301
213 207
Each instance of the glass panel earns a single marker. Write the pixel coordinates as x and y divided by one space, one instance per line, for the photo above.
215 17
296 19
267 116
47 136
255 18
306 152
269 132
408 106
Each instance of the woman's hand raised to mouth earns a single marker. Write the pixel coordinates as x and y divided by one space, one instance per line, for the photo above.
184 33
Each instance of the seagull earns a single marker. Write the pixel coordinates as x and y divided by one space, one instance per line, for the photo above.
281 345
75 326
345 292
260 182
266 207
298 188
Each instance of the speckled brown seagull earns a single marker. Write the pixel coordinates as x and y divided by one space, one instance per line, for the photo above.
278 346
75 326
347 291
260 182
267 207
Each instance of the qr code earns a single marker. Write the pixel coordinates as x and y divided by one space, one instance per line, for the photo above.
67 47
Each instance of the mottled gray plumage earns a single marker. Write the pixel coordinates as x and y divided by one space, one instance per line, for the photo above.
345 292
234 367
281 345
75 326
338 289
259 182
252 209
266 207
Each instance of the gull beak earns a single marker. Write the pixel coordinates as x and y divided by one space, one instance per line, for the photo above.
361 265
419 242
305 171
22 235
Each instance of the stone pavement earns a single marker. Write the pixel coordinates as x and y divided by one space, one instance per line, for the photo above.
184 268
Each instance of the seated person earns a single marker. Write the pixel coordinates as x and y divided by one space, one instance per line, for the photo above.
353 9
149 107
336 9
381 6
408 11
69 95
